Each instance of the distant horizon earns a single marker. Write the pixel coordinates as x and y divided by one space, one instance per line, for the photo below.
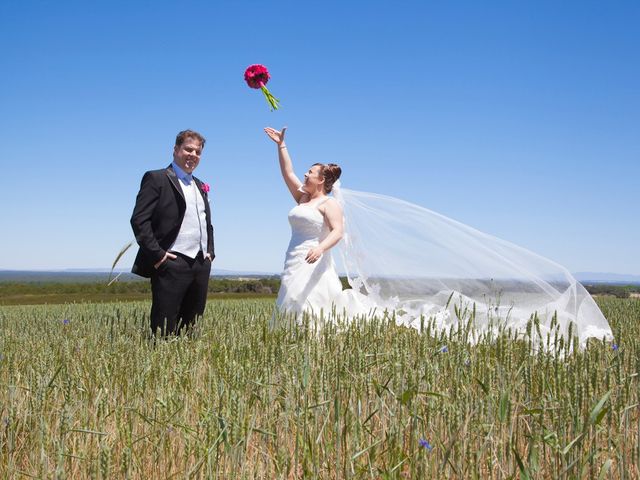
606 277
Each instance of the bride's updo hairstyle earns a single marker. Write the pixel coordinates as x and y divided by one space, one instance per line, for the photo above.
331 173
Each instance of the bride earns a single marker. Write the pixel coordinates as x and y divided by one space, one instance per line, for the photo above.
419 266
310 281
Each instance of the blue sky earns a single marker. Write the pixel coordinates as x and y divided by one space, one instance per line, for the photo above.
521 119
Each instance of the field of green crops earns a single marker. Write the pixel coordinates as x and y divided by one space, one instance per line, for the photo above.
85 394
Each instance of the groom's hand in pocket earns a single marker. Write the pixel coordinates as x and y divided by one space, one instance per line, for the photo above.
166 257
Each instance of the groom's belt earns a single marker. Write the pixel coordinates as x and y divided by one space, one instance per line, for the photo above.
199 257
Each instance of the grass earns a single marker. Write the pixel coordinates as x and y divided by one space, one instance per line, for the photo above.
84 394
57 292
92 297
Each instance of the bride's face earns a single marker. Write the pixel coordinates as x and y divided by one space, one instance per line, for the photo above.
313 178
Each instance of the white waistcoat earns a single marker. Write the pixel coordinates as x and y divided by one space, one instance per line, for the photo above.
193 232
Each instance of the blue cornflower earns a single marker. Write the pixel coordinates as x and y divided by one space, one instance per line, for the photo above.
425 444
66 321
615 347
444 349
467 362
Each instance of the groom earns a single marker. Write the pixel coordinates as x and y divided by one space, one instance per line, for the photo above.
172 224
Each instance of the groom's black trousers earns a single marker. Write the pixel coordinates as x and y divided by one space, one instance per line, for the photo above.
179 293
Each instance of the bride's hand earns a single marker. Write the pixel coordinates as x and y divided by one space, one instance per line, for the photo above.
314 254
275 135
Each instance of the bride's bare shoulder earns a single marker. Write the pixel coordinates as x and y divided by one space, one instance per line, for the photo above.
330 204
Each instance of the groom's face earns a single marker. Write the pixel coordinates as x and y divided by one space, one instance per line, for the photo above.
187 155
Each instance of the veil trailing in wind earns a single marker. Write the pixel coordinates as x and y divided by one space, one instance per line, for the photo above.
422 265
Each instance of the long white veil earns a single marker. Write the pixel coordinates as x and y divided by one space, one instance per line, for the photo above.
420 264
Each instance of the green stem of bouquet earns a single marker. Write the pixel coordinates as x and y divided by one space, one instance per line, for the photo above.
273 101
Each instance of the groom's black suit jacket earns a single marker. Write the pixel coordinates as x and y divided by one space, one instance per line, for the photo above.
157 217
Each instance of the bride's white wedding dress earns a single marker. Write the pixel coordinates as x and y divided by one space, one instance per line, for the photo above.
308 287
420 266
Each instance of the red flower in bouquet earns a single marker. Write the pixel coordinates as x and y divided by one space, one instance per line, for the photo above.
257 76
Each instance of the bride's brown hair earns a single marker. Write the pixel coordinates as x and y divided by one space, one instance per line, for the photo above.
331 173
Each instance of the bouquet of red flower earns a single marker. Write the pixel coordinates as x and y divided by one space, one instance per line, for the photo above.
257 76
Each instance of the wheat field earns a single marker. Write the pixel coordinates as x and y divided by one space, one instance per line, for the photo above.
84 393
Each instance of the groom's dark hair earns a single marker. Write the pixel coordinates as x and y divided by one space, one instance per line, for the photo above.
183 135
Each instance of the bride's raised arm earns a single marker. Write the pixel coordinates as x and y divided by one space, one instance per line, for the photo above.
286 166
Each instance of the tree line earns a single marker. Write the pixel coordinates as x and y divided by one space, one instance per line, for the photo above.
255 286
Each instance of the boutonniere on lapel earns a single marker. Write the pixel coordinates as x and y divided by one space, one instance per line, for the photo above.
205 188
